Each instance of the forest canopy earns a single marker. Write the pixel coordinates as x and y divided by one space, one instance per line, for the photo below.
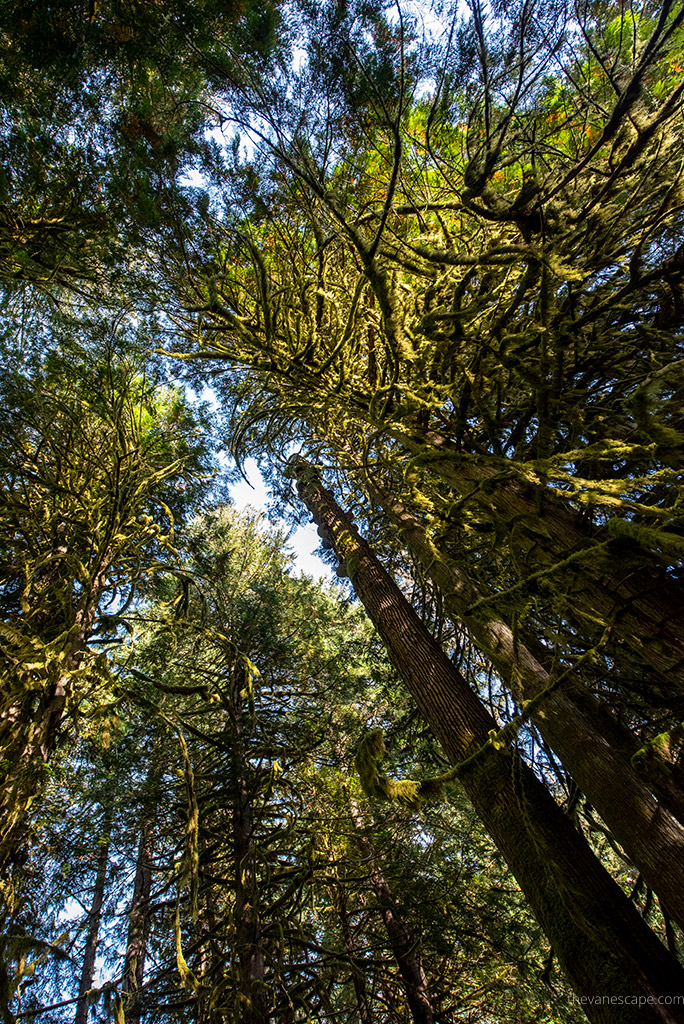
424 263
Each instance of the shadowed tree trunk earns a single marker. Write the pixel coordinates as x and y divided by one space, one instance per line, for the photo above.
659 767
619 584
358 977
211 961
601 942
254 1000
92 936
652 840
403 945
138 916
29 734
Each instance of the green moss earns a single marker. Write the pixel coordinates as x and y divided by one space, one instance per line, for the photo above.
370 753
654 759
669 545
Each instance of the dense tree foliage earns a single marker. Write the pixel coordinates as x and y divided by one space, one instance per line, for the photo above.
244 793
98 461
370 305
103 110
437 251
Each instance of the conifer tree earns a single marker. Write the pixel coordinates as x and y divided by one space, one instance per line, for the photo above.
96 466
443 261
537 840
467 281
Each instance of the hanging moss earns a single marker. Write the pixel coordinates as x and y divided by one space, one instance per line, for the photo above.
670 546
119 1016
187 976
646 404
543 579
370 753
655 758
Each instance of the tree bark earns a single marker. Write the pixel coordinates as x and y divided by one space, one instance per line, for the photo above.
601 942
254 1001
403 945
358 978
90 952
661 770
645 606
651 838
28 734
138 915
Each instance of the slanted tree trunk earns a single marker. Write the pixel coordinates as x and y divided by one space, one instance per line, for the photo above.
660 768
139 914
93 933
403 945
651 838
254 1000
644 604
358 978
601 942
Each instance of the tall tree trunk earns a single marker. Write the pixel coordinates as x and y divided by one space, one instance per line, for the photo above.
651 838
601 942
139 914
358 978
28 738
210 965
402 943
659 767
643 603
90 952
254 1000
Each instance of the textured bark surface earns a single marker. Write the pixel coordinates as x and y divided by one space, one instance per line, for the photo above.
662 771
602 944
357 975
92 936
138 917
651 838
254 997
645 606
29 734
404 947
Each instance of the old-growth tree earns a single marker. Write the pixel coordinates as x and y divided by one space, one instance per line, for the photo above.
448 266
451 297
273 887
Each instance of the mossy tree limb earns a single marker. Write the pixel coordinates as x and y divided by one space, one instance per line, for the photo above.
600 940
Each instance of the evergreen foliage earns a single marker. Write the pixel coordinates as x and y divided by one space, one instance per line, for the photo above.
435 249
192 703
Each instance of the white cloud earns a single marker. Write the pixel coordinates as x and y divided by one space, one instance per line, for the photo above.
252 493
304 540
